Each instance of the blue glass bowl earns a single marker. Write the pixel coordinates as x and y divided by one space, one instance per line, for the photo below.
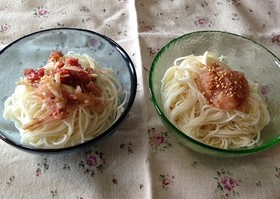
32 51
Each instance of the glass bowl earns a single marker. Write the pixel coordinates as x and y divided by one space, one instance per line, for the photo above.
257 62
33 50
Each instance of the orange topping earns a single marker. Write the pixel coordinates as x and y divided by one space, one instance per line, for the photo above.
225 89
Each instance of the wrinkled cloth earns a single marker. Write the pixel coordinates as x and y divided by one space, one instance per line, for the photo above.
142 160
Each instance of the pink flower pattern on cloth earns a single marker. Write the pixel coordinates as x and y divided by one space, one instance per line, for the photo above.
41 12
93 162
227 184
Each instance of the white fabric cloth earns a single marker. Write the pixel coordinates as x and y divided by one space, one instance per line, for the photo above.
141 160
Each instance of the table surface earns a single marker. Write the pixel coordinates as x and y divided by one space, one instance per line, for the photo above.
131 164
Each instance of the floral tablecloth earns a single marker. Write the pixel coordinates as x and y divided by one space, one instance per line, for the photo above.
141 160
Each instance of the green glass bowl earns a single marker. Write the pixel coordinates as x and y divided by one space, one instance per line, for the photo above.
257 62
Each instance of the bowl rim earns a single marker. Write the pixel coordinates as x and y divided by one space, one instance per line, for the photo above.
113 127
174 128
